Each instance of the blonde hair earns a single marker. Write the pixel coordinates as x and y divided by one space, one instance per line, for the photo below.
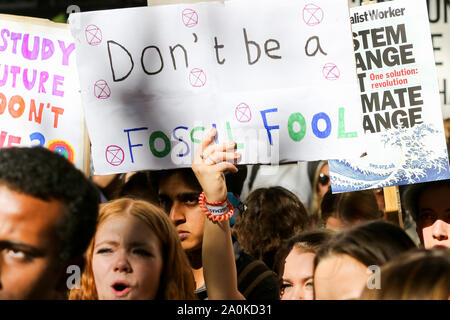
315 209
177 281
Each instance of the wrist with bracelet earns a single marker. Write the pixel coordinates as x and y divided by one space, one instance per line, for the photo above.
216 211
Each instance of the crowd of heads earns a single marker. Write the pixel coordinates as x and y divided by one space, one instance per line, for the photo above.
140 236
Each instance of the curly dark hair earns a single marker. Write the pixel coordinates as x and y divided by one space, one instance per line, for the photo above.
272 215
46 175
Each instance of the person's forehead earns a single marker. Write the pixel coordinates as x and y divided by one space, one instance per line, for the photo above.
340 276
129 229
340 265
299 263
176 184
324 168
434 195
28 219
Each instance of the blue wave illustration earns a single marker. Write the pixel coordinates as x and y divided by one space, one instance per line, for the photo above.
344 168
419 163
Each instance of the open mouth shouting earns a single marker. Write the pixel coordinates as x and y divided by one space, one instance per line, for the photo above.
121 288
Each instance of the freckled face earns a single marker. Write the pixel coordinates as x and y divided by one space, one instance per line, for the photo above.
127 260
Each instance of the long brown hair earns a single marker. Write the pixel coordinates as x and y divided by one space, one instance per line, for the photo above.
351 207
417 274
371 243
177 281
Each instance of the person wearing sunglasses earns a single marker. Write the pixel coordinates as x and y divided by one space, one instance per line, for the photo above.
321 183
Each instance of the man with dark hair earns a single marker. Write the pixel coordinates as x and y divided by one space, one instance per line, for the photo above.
178 192
429 205
48 215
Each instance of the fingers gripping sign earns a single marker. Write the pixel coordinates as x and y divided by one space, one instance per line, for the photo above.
210 162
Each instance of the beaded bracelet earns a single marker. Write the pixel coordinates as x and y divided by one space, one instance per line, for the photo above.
216 217
213 203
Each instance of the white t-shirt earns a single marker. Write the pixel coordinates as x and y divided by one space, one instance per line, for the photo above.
293 177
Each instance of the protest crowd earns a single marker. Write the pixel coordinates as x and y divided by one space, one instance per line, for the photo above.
217 229
158 235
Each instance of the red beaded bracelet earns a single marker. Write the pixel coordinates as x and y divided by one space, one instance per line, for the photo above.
215 218
213 203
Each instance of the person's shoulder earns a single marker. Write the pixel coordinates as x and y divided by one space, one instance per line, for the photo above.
255 280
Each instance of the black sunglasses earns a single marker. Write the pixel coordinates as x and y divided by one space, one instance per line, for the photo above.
324 179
